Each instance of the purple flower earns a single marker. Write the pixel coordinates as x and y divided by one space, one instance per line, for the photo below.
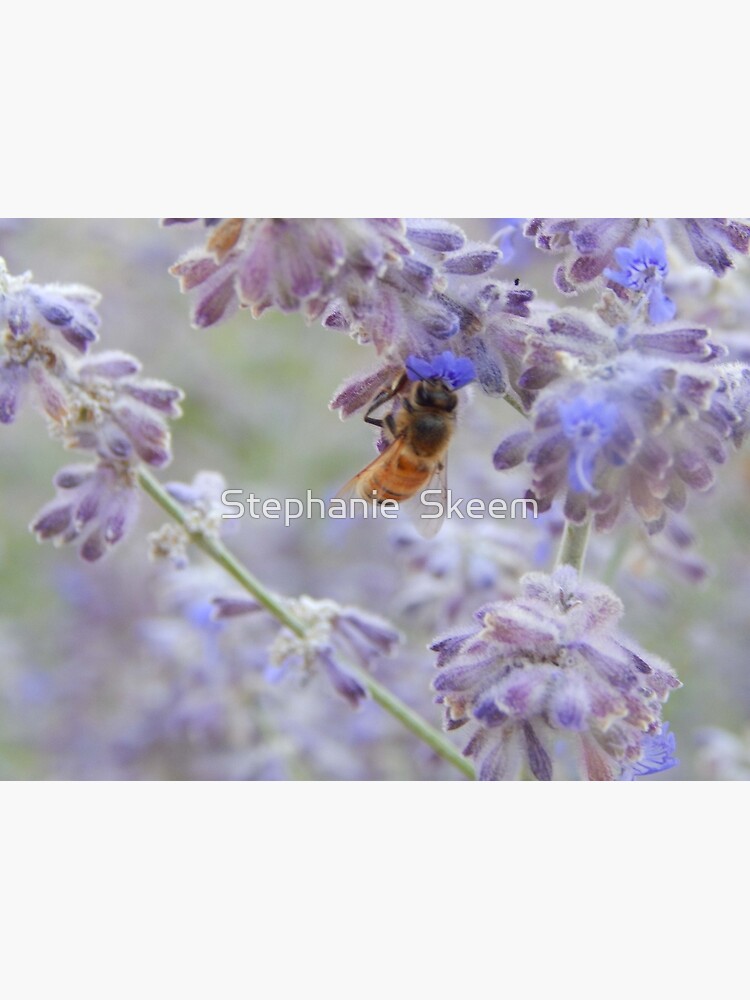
287 264
35 312
455 372
119 414
332 633
406 286
38 326
714 241
444 578
589 246
630 415
548 666
508 233
588 426
640 432
643 269
95 508
658 755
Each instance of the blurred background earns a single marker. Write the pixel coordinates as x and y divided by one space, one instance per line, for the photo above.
116 670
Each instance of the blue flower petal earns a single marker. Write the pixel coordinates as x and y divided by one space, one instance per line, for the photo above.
456 372
658 755
660 307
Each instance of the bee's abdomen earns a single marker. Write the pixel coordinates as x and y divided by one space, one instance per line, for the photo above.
398 480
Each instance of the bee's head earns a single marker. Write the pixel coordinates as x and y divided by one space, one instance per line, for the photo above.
434 393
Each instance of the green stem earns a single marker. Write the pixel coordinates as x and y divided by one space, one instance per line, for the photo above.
573 546
220 554
413 722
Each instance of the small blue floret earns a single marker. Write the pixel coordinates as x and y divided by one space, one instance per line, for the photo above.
658 755
456 372
643 269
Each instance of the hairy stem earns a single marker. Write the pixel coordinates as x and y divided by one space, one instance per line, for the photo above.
573 546
220 554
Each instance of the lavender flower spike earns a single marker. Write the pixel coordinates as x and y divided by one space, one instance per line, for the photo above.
550 669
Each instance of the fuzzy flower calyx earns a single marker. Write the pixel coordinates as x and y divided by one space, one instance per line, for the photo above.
547 677
631 416
589 246
95 401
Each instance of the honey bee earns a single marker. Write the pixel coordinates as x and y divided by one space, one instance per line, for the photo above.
418 430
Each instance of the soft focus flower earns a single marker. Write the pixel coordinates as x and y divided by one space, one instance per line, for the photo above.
508 235
625 416
64 310
95 507
723 755
38 326
643 269
588 426
97 402
332 632
715 241
119 414
287 264
204 511
547 666
442 579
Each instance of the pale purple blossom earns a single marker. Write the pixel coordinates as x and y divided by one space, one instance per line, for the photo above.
95 507
552 665
588 246
333 633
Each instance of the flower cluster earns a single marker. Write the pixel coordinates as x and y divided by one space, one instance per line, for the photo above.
406 286
203 515
36 322
631 403
97 402
331 633
551 666
624 416
444 578
589 246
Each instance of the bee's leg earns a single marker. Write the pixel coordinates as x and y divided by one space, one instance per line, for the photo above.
382 397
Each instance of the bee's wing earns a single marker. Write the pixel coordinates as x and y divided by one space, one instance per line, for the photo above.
352 487
428 526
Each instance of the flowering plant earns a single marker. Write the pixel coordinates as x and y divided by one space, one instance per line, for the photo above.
616 406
